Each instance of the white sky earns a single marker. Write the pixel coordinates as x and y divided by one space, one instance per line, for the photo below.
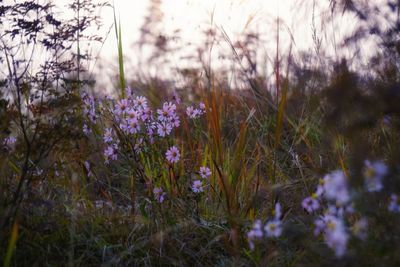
234 16
193 17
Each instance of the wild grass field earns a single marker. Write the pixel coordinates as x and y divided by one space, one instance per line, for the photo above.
297 168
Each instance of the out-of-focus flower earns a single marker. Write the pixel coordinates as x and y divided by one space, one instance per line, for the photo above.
310 204
374 172
86 130
254 233
340 211
9 142
394 205
197 186
176 98
319 226
360 228
336 236
202 107
192 112
334 231
278 211
336 187
172 154
273 228
87 167
205 172
111 153
159 194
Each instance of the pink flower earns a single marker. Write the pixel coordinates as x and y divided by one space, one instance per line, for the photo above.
205 172
172 154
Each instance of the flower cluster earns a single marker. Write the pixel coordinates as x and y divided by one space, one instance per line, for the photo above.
167 119
197 185
195 113
272 228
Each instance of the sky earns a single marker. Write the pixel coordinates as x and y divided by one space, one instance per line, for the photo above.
193 17
235 17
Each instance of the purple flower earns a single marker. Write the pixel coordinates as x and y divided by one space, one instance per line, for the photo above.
360 228
164 129
172 154
273 228
278 211
336 187
9 142
319 226
111 152
108 135
121 107
159 194
166 112
197 186
334 231
205 172
86 130
87 167
310 204
133 115
174 121
394 205
140 102
255 233
374 172
336 236
176 98
147 114
134 127
202 107
192 112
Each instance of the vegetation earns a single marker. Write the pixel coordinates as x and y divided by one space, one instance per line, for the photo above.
199 170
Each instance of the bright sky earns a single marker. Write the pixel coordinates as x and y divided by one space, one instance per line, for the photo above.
235 17
193 17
